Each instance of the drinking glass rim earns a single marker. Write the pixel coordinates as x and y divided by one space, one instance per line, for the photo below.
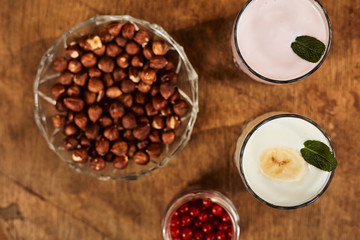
275 81
248 136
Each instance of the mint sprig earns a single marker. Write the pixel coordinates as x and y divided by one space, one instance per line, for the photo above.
308 48
319 155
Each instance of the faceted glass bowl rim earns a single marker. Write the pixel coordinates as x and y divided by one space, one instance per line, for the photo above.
190 72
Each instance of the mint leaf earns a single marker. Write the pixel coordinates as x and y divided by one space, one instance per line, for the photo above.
319 155
308 48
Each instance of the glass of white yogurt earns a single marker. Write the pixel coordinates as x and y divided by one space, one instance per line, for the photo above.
263 32
284 131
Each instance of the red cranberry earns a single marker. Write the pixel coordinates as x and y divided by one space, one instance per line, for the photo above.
197 223
220 235
199 235
229 233
194 211
217 210
225 217
175 232
185 220
184 208
210 236
186 233
207 202
207 227
176 213
224 226
216 223
203 216
175 222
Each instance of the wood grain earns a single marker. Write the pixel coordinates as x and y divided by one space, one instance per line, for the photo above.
41 198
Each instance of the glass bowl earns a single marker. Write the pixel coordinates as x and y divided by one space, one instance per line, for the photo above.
177 208
44 102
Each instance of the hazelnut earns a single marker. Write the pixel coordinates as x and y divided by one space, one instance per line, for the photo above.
132 150
150 110
74 66
175 96
127 134
92 131
74 104
160 47
137 61
94 72
158 122
173 122
140 98
119 74
154 150
166 111
159 102
116 110
89 97
147 52
106 64
127 86
120 41
80 79
119 148
168 137
70 129
100 51
57 90
109 157
70 143
112 50
85 142
102 146
166 90
120 162
66 78
148 76
142 37
180 108
60 64
170 77
158 62
81 120
114 28
73 51
113 92
82 40
108 79
105 36
92 43
123 60
155 136
128 121
73 91
60 106
80 155
142 131
126 99
143 119
141 158
138 109
132 48
105 121
134 74
94 112
142 144
143 87
155 89
95 85
128 31
170 66
58 121
88 60
70 116
112 133
100 95
97 163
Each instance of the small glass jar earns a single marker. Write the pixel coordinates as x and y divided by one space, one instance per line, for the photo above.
279 129
268 38
201 194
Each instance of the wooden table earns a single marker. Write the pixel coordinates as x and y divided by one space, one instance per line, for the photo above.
41 198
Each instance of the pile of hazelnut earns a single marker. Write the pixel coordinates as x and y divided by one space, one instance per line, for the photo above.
118 97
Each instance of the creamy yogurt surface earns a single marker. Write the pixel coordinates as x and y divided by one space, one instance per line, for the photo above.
266 29
289 132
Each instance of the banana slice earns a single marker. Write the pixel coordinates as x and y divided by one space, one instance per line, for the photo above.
283 164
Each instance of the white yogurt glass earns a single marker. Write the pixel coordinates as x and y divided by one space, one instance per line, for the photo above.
263 32
286 130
